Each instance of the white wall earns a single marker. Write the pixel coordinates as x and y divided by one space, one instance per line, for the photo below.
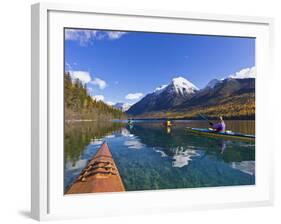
15 109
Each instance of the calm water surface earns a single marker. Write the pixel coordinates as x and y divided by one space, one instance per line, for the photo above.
150 156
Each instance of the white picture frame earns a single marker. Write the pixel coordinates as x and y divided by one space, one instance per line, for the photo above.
48 201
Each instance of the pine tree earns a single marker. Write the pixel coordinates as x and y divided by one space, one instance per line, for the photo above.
80 105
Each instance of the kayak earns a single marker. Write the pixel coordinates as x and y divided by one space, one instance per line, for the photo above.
99 175
227 135
168 124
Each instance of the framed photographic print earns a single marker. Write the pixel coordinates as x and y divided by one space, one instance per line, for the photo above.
148 111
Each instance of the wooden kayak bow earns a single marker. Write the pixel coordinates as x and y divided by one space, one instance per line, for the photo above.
99 175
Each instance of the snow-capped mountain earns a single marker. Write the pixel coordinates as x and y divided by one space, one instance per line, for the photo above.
246 73
180 95
165 96
179 85
238 91
122 106
183 86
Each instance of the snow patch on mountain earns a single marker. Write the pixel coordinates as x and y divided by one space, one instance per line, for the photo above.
122 106
244 73
160 89
182 85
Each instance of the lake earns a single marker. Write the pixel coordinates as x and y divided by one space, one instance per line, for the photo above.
150 156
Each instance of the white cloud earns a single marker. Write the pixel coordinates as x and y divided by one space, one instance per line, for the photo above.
90 90
99 82
112 35
98 97
68 66
85 37
245 73
83 76
110 103
133 96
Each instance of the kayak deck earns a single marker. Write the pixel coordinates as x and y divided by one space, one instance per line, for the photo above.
231 136
99 175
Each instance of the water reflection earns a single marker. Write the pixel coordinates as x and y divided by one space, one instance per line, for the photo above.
222 146
168 130
151 156
245 166
229 151
134 144
182 156
79 134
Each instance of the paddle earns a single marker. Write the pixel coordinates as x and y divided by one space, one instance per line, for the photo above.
211 123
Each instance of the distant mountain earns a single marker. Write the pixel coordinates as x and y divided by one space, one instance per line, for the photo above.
246 73
122 106
165 97
222 91
212 83
233 96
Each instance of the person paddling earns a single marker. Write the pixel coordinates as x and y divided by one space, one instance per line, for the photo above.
168 123
220 126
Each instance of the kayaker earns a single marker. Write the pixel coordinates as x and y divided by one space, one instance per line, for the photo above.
219 127
168 123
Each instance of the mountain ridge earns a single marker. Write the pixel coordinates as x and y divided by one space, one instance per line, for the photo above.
165 97
181 98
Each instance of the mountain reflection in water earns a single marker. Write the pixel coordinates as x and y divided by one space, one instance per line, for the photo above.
150 156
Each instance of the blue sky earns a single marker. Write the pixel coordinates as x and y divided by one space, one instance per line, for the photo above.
125 66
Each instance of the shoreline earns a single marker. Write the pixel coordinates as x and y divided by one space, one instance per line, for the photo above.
157 119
